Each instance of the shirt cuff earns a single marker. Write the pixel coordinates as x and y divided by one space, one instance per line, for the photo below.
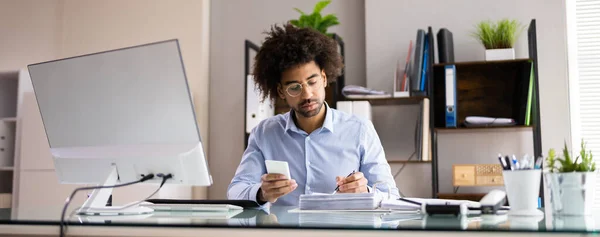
254 195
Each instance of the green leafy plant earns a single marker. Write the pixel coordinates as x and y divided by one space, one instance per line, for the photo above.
315 20
551 160
498 35
566 163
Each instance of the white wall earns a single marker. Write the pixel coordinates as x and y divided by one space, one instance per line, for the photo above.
232 22
29 31
391 24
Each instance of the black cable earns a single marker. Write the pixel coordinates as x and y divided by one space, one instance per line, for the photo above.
68 201
160 175
401 168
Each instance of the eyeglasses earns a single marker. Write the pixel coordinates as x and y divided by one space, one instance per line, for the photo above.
295 89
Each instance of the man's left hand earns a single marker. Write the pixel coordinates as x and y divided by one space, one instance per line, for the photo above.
356 183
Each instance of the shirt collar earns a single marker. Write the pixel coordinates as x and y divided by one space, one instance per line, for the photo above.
327 124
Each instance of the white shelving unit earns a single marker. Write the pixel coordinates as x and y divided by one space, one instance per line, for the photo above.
9 120
9 91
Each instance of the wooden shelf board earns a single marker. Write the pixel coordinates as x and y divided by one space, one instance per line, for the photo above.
8 119
408 161
482 128
475 63
391 100
7 168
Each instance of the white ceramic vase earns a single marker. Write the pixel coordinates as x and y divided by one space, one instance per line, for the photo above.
499 54
571 194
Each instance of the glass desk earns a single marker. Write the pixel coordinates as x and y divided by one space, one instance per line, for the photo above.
278 219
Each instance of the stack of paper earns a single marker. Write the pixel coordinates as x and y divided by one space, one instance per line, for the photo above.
400 205
361 219
342 201
472 121
353 91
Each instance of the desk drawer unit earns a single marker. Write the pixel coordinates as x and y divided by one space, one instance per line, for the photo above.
477 175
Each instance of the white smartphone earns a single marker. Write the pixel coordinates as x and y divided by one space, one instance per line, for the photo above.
278 167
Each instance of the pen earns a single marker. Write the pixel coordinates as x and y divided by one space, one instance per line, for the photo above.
338 187
515 162
524 163
502 162
410 201
508 163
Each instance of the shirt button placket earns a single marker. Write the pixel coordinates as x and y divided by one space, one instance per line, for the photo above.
307 162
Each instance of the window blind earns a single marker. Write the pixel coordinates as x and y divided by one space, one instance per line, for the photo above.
583 43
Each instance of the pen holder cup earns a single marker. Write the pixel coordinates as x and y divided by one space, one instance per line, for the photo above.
522 189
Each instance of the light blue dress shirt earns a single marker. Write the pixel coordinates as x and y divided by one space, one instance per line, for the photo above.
343 144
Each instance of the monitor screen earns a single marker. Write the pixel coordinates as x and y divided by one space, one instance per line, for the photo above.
129 96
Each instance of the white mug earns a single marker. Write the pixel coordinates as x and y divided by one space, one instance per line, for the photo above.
522 189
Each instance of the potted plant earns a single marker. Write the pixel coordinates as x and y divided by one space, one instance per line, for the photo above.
498 38
571 182
315 20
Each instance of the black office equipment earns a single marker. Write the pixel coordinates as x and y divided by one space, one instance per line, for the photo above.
456 210
246 204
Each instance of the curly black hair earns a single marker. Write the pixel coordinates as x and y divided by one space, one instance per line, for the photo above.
288 46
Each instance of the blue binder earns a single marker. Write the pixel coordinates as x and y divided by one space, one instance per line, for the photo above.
450 79
425 61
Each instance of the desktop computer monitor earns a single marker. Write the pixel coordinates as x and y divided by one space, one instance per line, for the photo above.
117 115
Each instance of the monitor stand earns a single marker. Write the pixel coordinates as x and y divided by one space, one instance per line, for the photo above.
96 202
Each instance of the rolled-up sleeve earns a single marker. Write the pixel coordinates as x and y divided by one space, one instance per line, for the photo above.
246 182
374 165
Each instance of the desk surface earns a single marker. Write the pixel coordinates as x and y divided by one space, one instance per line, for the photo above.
280 218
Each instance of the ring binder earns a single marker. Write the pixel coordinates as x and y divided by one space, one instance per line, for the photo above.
389 187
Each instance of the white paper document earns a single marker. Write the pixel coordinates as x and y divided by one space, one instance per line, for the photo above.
489 121
394 204
368 202
339 201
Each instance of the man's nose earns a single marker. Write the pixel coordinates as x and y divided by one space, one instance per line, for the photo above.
306 92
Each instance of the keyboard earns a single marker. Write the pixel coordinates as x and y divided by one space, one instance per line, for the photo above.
192 207
246 204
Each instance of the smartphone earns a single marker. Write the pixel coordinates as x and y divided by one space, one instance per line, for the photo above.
278 167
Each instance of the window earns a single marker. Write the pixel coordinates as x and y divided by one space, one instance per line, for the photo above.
583 43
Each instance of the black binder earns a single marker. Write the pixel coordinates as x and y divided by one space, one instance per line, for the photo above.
445 46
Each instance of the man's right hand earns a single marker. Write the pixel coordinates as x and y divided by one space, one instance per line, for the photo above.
274 186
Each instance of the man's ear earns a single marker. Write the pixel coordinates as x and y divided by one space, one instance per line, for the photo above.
324 76
280 92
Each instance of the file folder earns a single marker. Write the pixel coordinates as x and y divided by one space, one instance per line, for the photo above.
417 64
345 106
425 62
445 46
362 109
256 110
450 95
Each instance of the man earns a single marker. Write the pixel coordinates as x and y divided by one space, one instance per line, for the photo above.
321 145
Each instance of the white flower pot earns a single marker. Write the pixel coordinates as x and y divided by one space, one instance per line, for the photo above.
571 193
499 54
573 223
